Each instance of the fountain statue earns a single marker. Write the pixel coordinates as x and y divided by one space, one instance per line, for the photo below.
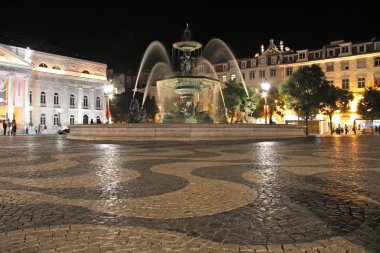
184 96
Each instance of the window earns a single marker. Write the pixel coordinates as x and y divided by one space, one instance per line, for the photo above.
43 99
262 73
317 55
43 119
302 56
377 62
232 66
224 79
56 120
252 75
361 82
253 63
346 84
344 65
329 67
85 102
72 101
56 99
243 75
361 63
331 53
200 69
72 119
289 71
273 60
30 98
98 102
56 67
344 50
262 61
273 72
233 77
290 58
377 46
330 82
98 120
43 65
243 64
225 67
361 49
86 71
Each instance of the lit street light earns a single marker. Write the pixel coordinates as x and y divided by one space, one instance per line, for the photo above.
265 86
108 90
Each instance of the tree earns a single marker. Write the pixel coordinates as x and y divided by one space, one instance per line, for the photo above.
276 103
304 89
237 99
369 105
334 99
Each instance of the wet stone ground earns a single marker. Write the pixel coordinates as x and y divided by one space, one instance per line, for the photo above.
314 195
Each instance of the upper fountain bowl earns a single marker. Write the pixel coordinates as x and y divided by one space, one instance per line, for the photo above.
187 46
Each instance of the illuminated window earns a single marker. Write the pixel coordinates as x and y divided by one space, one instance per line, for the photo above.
289 71
224 79
344 65
72 119
233 77
43 65
43 99
98 102
377 62
361 63
346 84
56 99
43 119
85 72
330 67
330 82
252 75
361 82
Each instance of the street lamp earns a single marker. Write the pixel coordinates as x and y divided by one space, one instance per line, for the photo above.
108 89
265 86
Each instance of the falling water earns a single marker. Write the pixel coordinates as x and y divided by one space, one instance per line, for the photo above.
154 53
160 69
203 61
217 51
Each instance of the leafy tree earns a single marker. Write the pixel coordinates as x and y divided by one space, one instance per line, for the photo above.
304 91
276 102
369 106
334 99
237 99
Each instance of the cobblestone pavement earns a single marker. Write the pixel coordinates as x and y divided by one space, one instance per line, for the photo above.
314 195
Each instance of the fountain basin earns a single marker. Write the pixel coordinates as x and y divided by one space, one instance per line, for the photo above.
183 132
186 85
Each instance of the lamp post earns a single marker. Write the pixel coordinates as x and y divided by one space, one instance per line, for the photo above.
265 86
108 89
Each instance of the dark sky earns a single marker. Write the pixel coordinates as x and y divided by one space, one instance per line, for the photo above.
118 36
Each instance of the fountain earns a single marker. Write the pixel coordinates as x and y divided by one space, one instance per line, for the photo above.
183 95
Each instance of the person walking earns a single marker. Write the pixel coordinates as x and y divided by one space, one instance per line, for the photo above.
5 127
8 127
14 127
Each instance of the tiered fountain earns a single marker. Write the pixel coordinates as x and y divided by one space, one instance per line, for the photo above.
178 94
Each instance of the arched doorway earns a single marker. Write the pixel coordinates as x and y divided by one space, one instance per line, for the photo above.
85 119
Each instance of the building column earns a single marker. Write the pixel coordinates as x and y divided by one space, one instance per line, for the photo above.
80 100
10 97
27 101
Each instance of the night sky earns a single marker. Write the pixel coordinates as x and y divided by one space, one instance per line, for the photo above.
118 35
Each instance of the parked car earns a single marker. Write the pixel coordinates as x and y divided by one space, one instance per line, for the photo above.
65 130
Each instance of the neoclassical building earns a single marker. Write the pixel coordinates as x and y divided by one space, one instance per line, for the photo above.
348 65
38 88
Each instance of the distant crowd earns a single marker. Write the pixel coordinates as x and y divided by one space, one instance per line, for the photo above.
9 127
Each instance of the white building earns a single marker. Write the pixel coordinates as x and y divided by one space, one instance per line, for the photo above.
38 88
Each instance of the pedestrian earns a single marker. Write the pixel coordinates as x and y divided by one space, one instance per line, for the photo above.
345 129
8 127
5 126
14 127
92 121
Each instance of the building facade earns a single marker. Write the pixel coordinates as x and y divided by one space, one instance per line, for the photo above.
38 89
347 65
